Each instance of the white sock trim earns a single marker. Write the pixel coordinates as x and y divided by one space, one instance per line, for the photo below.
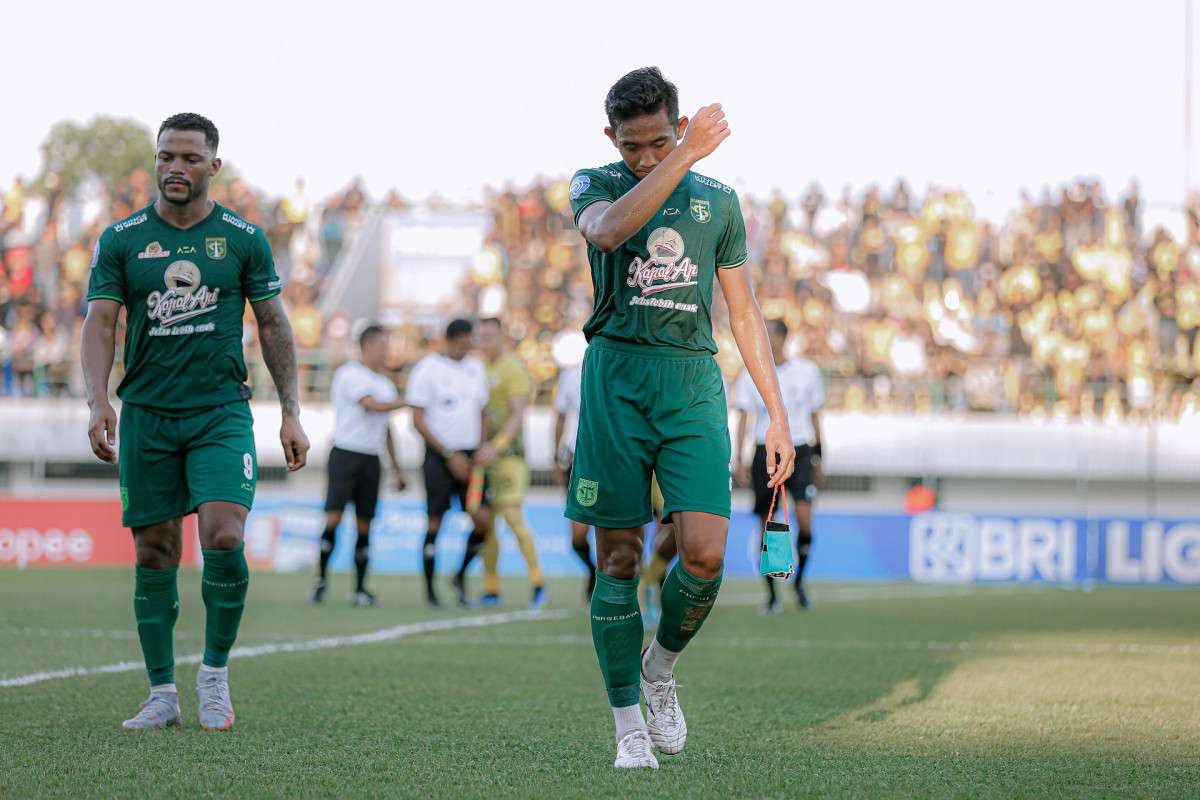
659 663
164 688
629 719
214 670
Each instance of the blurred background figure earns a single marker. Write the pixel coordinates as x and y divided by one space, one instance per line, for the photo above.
363 398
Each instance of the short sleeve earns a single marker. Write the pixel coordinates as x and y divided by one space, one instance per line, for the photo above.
587 187
419 392
107 278
260 281
357 386
743 393
732 251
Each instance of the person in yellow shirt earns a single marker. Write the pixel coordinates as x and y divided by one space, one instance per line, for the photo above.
509 388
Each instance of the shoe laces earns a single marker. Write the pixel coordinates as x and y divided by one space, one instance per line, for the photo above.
153 704
216 697
666 703
637 745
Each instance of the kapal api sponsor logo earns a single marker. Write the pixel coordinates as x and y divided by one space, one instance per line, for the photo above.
666 266
184 298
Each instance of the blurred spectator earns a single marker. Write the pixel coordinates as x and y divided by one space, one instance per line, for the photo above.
907 303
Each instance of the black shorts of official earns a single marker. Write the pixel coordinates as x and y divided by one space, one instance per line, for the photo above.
353 478
441 485
800 486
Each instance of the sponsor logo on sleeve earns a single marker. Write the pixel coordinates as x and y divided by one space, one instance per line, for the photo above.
129 223
237 223
713 184
579 186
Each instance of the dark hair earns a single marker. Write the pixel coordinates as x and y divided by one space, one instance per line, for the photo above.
192 122
643 91
369 332
492 321
458 327
779 326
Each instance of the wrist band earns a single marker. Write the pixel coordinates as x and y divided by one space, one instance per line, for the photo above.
816 450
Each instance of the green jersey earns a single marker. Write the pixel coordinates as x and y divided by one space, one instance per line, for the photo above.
657 287
184 291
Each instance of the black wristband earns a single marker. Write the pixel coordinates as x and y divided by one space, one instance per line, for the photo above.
816 450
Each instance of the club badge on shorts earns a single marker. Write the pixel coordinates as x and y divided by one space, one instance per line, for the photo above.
586 492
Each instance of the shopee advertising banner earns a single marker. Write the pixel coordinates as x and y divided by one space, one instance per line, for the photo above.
66 532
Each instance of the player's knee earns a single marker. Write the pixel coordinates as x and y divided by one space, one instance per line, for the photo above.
704 563
621 562
226 537
157 553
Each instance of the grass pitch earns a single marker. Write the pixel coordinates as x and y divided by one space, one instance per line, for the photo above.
879 691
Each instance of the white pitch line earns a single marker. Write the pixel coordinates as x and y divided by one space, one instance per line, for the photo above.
324 643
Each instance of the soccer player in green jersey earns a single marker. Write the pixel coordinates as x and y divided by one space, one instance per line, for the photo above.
184 269
658 237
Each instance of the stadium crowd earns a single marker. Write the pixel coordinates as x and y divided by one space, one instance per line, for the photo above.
907 303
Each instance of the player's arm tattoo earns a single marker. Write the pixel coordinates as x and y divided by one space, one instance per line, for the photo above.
279 352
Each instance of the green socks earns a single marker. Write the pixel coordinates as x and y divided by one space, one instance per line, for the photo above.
686 601
223 586
617 635
156 607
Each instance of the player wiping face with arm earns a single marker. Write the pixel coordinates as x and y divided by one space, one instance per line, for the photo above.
650 151
659 238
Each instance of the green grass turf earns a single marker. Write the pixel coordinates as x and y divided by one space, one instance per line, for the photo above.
879 691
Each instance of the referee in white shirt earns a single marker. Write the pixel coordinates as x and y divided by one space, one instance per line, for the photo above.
448 393
363 397
804 395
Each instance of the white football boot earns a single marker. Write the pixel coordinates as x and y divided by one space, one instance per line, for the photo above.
635 752
664 717
216 711
161 710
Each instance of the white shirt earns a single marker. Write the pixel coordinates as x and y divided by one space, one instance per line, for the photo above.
355 428
802 391
567 398
453 394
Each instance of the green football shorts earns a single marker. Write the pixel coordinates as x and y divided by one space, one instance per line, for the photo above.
170 465
649 409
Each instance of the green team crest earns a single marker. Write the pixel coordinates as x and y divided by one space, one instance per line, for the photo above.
700 210
586 492
214 246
